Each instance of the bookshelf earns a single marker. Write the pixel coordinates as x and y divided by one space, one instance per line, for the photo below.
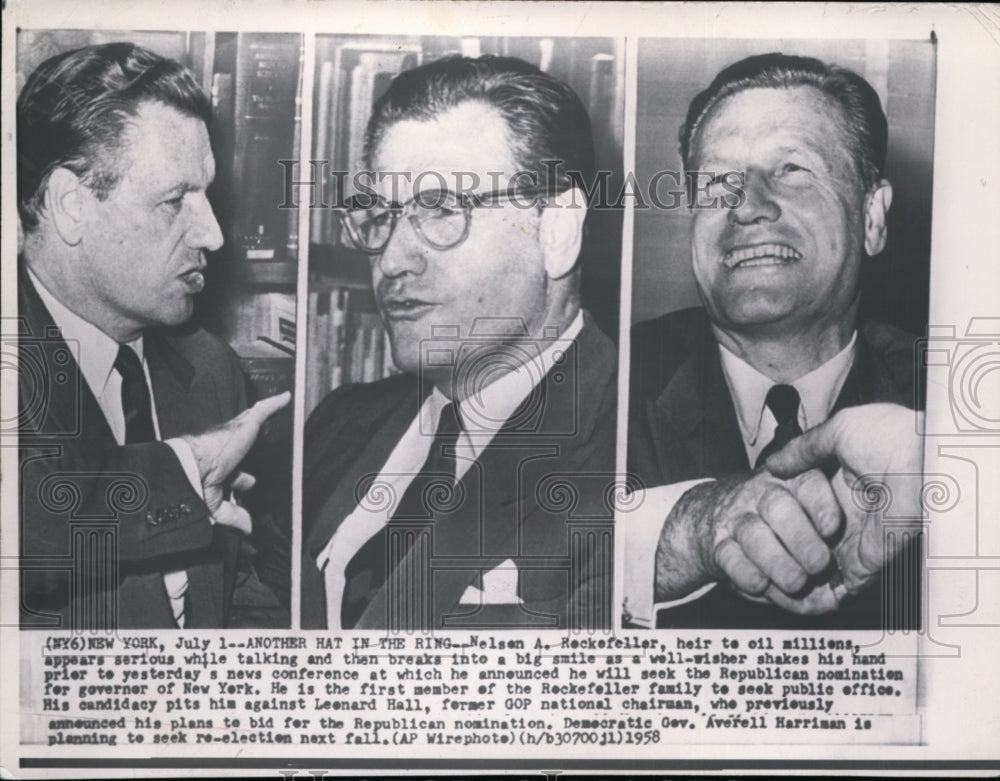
345 340
255 80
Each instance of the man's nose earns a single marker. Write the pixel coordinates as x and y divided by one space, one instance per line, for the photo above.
405 252
759 204
204 232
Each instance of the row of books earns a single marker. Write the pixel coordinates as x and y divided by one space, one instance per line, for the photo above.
346 341
263 318
263 334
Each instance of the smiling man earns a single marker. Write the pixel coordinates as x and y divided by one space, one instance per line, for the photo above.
129 433
775 350
473 489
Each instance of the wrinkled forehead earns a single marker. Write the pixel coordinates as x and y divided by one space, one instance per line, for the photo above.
754 119
164 142
462 147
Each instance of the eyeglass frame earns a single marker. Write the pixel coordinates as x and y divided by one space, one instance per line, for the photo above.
468 201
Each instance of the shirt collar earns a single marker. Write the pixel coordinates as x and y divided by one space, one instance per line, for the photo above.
95 351
818 390
485 413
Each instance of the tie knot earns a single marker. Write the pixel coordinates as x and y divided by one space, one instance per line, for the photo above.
128 364
783 401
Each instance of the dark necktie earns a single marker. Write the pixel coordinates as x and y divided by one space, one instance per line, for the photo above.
783 401
138 412
135 397
368 570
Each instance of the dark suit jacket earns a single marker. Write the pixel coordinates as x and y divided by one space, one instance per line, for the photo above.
100 522
540 494
683 426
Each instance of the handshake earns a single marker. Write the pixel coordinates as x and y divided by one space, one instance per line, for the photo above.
790 535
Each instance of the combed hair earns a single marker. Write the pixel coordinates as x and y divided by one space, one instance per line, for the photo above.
546 121
75 107
864 121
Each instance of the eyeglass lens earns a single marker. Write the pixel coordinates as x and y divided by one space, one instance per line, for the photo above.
439 218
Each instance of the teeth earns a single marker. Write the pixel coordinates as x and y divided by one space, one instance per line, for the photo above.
768 254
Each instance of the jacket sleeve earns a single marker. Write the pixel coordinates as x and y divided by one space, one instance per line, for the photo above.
140 491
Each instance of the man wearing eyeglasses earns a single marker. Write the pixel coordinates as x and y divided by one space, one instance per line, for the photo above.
476 488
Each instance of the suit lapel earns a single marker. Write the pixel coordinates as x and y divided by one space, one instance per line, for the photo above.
696 413
373 441
65 407
499 491
868 380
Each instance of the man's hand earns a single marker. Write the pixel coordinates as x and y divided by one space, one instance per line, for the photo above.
766 536
878 445
220 450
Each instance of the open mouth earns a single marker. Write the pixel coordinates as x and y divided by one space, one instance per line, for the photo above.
760 255
194 279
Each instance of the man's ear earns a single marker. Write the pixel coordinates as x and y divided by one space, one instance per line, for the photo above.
64 203
561 231
876 209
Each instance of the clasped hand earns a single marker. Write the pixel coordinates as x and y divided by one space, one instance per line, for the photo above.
790 536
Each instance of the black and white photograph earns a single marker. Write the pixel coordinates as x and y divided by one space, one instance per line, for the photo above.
458 458
789 284
155 316
431 389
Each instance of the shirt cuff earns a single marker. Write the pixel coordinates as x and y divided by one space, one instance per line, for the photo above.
186 458
642 534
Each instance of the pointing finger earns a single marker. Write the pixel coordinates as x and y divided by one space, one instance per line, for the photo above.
265 408
231 514
243 482
805 452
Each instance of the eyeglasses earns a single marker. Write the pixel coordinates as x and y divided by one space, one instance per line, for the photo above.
441 218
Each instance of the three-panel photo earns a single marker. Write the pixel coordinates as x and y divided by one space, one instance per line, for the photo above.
418 333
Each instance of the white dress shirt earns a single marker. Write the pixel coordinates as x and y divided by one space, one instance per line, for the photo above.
483 415
97 353
748 388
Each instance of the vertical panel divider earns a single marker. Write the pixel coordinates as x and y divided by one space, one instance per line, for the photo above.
301 312
625 316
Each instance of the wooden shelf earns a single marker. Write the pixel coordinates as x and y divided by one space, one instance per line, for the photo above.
331 266
267 273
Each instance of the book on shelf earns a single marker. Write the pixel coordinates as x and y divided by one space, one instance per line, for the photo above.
267 75
268 369
347 341
263 316
264 338
292 242
352 75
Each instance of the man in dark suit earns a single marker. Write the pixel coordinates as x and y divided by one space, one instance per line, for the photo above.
129 434
776 350
476 488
